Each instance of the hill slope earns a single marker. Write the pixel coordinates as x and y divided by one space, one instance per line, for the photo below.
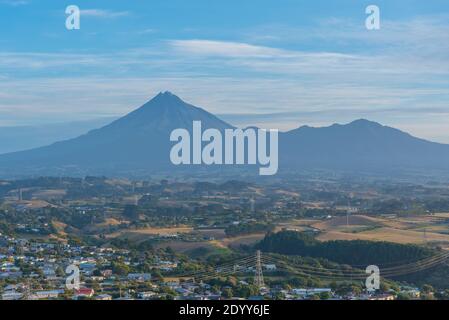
361 145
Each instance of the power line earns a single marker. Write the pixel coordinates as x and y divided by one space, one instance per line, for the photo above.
235 266
389 272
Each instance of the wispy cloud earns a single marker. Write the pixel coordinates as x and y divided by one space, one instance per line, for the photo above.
269 60
101 13
14 3
225 49
398 76
420 30
147 31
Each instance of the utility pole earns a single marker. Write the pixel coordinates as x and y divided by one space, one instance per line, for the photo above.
347 215
347 219
349 210
258 279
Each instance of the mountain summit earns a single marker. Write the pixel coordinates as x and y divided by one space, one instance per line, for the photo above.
138 143
166 112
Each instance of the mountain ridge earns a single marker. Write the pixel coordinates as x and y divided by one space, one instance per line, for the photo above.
139 141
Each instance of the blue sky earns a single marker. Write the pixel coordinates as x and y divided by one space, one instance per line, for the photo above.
277 64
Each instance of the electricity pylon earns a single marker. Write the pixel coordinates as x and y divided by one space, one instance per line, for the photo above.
258 279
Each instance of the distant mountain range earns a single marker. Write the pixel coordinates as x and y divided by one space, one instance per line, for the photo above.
139 142
361 145
18 138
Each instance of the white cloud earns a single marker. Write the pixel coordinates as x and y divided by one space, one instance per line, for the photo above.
225 49
268 60
15 3
100 13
